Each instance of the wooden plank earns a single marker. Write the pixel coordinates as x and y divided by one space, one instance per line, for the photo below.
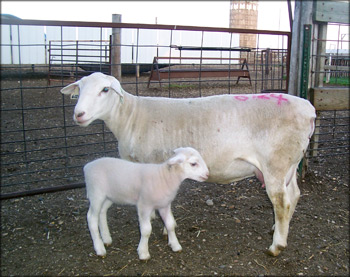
330 98
331 11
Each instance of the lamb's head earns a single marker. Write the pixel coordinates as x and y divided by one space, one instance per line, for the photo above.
97 94
191 162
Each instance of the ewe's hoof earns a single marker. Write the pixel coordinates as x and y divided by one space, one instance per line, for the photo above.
272 251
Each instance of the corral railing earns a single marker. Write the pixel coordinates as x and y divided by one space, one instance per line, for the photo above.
42 149
71 58
329 82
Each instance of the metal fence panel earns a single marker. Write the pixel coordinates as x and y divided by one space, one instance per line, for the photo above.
42 149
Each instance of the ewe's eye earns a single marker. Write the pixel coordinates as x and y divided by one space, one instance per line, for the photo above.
193 164
105 89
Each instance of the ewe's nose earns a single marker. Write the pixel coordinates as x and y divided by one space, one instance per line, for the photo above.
78 115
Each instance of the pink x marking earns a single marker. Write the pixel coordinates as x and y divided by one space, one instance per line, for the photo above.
280 98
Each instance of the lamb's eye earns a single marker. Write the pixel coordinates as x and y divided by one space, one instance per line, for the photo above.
193 164
105 89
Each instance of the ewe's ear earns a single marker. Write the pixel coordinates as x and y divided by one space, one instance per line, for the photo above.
115 85
179 158
72 89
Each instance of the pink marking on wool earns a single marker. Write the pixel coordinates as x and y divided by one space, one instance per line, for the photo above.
242 97
280 98
265 97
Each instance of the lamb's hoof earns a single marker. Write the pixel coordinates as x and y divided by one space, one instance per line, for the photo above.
102 254
144 257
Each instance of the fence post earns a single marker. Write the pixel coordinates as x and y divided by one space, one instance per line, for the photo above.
302 15
116 67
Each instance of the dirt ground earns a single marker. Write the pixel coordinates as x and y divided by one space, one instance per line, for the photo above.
47 234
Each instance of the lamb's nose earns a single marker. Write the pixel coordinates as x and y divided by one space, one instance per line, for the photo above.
80 114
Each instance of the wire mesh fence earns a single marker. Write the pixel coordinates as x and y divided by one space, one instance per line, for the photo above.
330 81
41 147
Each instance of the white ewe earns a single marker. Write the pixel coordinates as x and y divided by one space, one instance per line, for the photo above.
238 136
148 186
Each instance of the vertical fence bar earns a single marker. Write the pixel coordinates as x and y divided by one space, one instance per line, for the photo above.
137 59
76 59
304 82
171 42
200 66
22 101
64 108
229 66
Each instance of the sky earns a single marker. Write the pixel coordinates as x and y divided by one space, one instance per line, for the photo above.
193 13
273 15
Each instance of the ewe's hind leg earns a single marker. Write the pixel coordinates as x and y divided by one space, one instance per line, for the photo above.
293 193
277 192
106 236
93 221
170 225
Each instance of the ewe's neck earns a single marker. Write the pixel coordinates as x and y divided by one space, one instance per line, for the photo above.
122 114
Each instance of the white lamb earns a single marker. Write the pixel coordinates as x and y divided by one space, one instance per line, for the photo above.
149 187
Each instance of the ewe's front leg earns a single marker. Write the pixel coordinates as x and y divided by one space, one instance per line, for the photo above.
146 230
170 225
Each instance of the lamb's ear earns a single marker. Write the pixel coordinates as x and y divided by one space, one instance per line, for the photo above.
72 89
115 85
177 159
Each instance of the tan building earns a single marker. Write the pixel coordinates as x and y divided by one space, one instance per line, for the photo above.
244 15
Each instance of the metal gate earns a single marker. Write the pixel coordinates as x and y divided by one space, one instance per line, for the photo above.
41 148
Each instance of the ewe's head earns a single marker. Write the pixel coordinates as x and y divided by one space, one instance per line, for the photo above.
191 162
97 94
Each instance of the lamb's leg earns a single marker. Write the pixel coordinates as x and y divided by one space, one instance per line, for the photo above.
93 219
144 214
103 225
170 225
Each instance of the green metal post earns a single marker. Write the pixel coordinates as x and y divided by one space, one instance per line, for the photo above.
305 67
